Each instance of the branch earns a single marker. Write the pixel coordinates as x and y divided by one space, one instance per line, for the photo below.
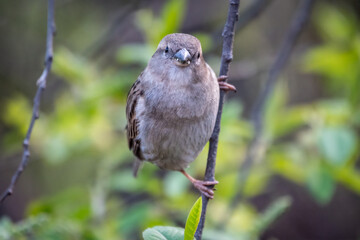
257 144
226 58
41 83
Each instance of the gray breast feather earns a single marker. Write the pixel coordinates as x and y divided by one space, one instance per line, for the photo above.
177 116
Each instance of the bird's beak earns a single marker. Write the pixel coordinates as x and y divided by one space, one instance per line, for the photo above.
182 57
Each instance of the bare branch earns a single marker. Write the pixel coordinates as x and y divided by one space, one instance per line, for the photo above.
257 145
41 83
226 58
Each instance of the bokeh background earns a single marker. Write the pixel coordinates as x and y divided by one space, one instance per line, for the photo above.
304 185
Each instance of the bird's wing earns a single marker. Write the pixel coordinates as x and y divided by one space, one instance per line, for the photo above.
132 127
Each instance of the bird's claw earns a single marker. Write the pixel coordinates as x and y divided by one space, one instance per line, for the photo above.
224 85
222 78
202 186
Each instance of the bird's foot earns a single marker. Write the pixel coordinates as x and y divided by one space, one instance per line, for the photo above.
202 186
224 85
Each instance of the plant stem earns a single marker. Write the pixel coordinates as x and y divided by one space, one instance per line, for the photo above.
226 58
41 83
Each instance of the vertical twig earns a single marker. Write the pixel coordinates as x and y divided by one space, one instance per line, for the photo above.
226 58
41 83
257 144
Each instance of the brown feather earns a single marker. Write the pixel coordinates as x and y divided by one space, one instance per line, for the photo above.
132 127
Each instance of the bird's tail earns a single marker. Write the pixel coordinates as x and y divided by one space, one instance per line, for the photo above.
136 167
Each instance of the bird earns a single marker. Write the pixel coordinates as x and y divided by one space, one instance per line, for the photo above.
172 107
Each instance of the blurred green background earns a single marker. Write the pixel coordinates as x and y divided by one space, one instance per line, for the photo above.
79 185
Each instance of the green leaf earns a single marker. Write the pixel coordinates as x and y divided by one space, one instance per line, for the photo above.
320 184
163 233
152 234
337 144
193 220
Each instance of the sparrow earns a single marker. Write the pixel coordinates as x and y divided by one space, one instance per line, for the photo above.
172 106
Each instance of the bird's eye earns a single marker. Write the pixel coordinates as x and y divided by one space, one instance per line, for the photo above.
198 56
167 49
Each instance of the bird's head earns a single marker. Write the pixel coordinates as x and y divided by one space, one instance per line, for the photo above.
181 49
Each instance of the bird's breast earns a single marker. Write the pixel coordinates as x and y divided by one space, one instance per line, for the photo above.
178 117
179 102
174 144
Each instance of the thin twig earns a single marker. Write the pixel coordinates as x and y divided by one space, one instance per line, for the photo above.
257 145
41 83
226 58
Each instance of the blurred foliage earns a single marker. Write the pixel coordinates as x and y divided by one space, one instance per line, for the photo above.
271 213
169 21
314 144
338 58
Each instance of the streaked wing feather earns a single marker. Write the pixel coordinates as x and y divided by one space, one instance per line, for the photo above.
132 127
